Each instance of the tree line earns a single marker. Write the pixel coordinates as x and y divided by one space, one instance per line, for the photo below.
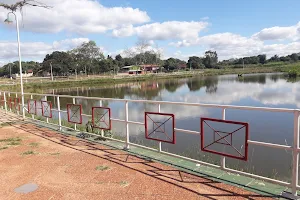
88 59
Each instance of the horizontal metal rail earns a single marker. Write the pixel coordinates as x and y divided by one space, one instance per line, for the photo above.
168 102
295 148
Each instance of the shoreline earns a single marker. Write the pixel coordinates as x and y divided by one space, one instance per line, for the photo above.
111 80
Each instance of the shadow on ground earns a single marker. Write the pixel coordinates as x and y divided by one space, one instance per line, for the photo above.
139 164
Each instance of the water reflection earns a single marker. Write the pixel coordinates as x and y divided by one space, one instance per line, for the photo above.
252 90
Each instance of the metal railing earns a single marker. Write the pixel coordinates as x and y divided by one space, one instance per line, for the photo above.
293 184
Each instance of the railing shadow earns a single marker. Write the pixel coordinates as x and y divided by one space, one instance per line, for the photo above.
155 170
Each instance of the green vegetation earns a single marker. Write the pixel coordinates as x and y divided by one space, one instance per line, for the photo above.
2 148
124 183
37 87
17 139
5 124
13 143
102 168
293 72
28 153
55 154
34 144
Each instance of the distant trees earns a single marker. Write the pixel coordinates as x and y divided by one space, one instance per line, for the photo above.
195 62
262 58
61 63
294 57
13 68
210 59
274 58
173 64
87 55
88 58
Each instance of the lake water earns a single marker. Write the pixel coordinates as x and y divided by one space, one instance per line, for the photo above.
262 90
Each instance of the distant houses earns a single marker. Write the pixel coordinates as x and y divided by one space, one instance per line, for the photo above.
28 73
140 69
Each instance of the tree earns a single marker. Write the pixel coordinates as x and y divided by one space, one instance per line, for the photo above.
210 59
61 63
87 54
107 65
294 57
262 58
13 68
274 58
119 61
195 62
141 47
173 64
119 58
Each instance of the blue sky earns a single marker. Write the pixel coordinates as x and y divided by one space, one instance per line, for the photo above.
175 28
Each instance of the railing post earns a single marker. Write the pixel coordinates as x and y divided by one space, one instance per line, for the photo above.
223 159
9 102
17 106
5 104
75 125
159 143
102 132
295 153
31 97
47 119
127 126
59 113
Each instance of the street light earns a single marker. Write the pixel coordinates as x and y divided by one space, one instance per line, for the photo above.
9 21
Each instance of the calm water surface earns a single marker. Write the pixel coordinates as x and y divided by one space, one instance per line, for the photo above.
262 90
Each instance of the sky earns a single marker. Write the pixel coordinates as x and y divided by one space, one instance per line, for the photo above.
233 28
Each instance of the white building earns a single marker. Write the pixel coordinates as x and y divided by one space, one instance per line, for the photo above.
29 73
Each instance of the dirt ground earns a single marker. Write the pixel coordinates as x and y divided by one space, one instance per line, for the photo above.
67 168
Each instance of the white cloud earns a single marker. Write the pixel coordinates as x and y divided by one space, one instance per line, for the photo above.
36 50
163 31
135 50
78 16
279 33
281 49
229 45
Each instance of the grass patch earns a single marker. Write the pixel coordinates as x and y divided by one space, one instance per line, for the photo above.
34 144
2 148
17 139
5 124
102 168
55 154
124 183
13 143
28 153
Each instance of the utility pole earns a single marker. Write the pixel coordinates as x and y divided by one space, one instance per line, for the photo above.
76 71
10 71
51 71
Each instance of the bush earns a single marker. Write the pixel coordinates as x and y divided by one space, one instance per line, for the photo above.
294 72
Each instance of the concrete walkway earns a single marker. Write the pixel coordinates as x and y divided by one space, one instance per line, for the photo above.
40 163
